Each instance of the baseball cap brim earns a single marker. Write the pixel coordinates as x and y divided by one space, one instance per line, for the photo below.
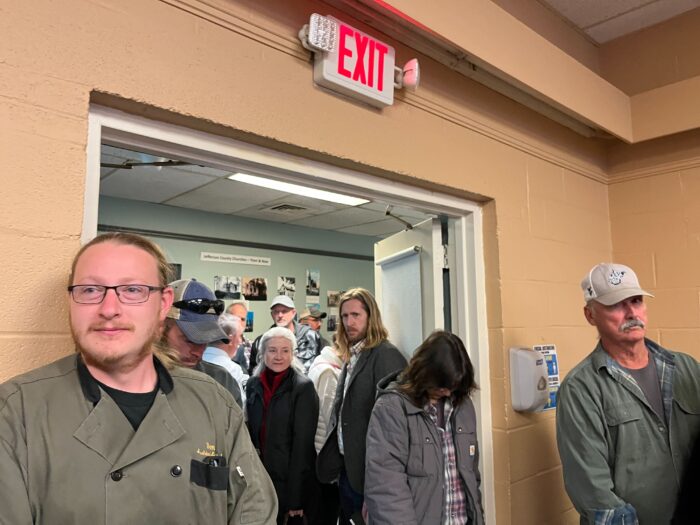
203 332
616 296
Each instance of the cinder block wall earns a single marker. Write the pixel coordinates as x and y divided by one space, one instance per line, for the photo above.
656 229
544 188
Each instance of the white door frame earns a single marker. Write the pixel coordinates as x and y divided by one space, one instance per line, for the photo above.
469 322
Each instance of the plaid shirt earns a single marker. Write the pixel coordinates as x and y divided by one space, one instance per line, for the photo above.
455 496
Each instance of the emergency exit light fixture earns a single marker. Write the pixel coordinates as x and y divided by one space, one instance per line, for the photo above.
354 63
296 189
321 34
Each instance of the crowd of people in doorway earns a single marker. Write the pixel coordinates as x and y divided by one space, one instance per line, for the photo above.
168 414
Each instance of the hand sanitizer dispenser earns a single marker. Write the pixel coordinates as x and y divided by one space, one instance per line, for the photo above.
528 380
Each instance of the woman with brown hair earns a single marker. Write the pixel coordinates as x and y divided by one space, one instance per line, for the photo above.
422 452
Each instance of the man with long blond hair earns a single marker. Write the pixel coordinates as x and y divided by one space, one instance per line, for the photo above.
117 432
362 341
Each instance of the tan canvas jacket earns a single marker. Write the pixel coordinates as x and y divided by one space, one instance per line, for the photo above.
69 455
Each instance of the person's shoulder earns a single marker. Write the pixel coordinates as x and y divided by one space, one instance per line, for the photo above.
686 360
386 352
300 381
201 383
39 377
386 345
394 404
582 372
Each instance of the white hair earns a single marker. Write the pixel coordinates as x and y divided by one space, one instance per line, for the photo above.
241 302
230 324
272 333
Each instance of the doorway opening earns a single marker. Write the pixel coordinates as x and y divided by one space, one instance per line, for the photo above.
421 252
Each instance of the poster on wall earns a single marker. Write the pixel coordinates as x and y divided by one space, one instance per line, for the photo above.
332 321
255 288
550 357
312 303
249 321
313 282
333 298
227 287
286 286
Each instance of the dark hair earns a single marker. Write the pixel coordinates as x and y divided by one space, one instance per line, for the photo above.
441 361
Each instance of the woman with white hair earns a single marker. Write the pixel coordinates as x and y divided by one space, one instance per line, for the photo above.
282 410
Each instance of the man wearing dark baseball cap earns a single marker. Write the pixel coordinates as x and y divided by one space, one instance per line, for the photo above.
627 415
313 317
191 324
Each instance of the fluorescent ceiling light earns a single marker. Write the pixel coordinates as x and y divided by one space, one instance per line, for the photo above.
297 190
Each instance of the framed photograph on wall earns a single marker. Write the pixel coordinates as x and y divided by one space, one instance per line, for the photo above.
313 282
286 286
255 288
175 271
227 287
333 298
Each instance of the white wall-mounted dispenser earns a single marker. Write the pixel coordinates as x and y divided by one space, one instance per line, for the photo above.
528 380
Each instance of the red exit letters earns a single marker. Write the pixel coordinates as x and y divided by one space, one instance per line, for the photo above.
369 58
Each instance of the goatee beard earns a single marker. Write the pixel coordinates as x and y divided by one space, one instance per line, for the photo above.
121 363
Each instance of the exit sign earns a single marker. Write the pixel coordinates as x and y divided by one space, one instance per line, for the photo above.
359 66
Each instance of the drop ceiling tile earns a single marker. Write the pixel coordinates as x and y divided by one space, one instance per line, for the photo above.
590 12
645 16
401 211
150 184
265 214
225 196
378 228
214 172
341 219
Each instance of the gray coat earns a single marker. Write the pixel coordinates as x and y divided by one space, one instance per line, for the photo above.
404 475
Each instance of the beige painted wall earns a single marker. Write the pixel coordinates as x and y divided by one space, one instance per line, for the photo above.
551 25
238 68
663 54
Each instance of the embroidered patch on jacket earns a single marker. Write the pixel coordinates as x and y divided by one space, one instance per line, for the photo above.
208 451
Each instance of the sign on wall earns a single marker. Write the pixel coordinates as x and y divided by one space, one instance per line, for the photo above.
358 65
550 357
234 259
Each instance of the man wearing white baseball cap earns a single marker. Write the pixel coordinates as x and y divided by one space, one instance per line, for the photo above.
628 414
283 311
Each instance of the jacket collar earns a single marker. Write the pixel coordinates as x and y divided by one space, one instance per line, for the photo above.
91 389
601 359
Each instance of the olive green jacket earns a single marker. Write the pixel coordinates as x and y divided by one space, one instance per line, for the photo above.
622 463
69 455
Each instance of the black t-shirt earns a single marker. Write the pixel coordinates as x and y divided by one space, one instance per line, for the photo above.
135 406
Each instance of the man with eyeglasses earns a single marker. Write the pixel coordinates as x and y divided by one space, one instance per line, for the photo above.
191 324
118 433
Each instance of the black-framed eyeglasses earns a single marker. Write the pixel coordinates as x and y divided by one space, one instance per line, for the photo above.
126 293
201 306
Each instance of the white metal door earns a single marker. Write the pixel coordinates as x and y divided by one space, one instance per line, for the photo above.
409 284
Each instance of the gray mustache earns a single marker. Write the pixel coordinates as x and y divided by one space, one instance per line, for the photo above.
632 323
